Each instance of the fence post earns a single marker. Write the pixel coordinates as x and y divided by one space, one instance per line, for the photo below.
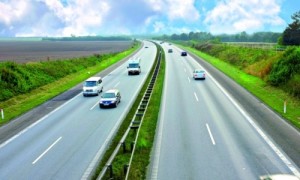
284 107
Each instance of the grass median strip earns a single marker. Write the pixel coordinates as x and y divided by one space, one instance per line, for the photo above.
271 96
22 103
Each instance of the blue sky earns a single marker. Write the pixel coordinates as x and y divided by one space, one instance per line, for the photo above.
30 18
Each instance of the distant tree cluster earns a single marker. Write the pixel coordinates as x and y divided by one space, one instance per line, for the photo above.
291 35
89 38
270 37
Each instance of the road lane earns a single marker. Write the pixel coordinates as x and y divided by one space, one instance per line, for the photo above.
185 147
78 129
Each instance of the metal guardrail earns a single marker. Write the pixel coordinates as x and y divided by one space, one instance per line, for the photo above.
135 125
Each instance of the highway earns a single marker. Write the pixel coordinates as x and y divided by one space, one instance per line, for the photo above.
67 142
204 133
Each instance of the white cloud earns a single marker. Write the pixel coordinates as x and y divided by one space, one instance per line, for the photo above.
158 26
176 9
13 11
233 16
79 17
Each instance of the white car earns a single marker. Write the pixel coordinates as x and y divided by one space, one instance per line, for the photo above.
92 86
199 74
279 177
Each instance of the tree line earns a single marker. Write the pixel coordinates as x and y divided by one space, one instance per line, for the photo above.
88 38
269 37
290 36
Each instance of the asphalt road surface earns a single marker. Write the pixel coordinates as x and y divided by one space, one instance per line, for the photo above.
204 132
67 142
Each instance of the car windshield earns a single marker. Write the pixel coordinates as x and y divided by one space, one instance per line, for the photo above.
199 71
90 83
133 65
108 95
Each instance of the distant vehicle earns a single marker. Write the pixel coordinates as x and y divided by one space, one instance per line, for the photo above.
199 74
110 98
134 66
92 86
170 44
146 46
279 177
170 50
183 53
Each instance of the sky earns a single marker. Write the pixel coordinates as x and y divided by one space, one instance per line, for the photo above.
57 18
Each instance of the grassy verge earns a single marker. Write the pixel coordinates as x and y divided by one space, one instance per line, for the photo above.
22 103
271 96
146 135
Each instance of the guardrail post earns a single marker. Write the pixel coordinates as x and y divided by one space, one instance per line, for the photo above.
110 171
125 169
124 147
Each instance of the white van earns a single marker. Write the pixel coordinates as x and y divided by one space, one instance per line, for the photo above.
134 66
92 86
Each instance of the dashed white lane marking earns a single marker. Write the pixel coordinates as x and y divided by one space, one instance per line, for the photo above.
94 105
189 79
37 122
196 97
117 84
37 159
210 134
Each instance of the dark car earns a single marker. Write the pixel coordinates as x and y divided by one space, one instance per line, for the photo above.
110 98
183 53
170 50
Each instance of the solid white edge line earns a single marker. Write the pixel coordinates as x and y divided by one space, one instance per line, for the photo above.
196 96
210 134
37 122
285 160
37 159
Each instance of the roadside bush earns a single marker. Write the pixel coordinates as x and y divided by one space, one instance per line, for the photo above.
284 69
293 86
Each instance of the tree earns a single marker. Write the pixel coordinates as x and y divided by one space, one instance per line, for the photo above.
291 35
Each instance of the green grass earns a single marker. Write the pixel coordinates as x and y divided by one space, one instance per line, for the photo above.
22 103
273 97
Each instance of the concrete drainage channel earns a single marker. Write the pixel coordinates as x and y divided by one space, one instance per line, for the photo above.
133 128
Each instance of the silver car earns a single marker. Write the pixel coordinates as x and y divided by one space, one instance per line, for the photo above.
199 74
